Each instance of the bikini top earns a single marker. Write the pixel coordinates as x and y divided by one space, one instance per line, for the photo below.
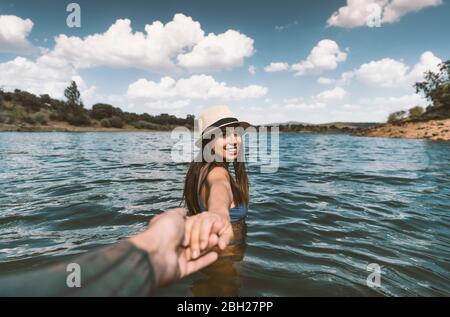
236 213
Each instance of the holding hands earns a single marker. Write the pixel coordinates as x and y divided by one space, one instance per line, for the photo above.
205 230
180 245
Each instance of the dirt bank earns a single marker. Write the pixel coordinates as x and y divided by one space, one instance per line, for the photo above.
432 130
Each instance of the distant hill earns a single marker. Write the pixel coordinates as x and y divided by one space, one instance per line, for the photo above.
332 127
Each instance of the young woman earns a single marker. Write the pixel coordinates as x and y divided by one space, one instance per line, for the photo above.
211 192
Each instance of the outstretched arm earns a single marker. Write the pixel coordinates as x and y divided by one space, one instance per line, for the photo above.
219 203
133 267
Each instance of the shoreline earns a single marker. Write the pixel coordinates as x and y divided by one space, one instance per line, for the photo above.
436 130
64 127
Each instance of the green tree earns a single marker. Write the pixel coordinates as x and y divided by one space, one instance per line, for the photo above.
415 112
436 86
396 116
73 94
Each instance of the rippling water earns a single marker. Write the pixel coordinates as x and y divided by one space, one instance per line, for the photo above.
336 204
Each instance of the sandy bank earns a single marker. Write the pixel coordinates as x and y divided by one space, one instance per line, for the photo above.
432 129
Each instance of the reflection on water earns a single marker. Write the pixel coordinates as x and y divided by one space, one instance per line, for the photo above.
336 204
222 278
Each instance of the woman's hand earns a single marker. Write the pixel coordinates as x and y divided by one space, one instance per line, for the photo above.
202 230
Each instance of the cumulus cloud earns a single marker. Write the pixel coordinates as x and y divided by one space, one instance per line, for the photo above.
389 72
357 13
276 67
338 93
325 81
178 45
252 69
396 102
386 72
215 52
13 34
38 77
195 87
379 108
324 56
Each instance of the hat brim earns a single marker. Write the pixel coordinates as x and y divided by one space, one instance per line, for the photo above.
242 124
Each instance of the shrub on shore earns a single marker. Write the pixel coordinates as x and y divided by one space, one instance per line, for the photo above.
78 118
415 112
113 122
105 123
141 124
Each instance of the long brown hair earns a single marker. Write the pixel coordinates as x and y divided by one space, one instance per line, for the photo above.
193 184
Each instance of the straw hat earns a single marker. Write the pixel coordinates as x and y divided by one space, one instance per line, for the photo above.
214 118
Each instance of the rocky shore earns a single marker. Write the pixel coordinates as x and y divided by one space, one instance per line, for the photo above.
433 130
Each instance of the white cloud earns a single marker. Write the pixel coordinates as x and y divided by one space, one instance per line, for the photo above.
195 87
389 72
178 108
299 105
313 110
215 52
276 67
398 8
337 93
252 69
428 62
324 56
386 72
357 12
164 104
13 34
38 77
178 45
396 103
378 109
325 81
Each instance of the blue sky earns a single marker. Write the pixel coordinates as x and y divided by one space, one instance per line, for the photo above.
330 65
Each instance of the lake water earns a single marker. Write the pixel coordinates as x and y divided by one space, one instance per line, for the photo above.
336 204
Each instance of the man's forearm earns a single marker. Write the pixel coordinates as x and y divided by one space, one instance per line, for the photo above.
118 270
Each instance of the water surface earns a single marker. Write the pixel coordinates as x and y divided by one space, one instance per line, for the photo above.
336 204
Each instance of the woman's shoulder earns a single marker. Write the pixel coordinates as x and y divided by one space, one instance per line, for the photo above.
218 172
210 173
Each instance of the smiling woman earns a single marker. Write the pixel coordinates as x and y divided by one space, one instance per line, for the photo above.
210 191
327 201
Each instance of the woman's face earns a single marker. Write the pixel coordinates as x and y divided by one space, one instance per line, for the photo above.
227 145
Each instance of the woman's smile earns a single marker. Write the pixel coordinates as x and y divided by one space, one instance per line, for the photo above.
231 150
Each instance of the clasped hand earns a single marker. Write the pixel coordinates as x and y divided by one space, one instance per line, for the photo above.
180 245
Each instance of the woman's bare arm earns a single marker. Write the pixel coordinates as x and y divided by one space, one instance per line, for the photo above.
220 194
219 203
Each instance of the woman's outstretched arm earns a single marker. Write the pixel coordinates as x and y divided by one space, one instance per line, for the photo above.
220 194
219 203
